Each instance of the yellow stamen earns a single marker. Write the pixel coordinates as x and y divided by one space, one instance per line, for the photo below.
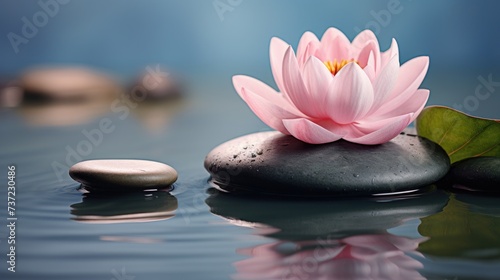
335 66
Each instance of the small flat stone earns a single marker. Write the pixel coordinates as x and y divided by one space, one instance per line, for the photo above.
273 163
123 175
479 173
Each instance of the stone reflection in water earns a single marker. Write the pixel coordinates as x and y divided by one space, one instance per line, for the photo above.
155 116
328 239
124 208
62 114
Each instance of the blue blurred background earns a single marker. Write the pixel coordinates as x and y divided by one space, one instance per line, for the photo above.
206 42
219 38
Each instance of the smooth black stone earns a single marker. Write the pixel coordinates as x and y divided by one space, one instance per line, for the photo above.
479 173
273 163
123 175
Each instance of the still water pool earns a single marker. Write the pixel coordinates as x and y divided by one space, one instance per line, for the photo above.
197 232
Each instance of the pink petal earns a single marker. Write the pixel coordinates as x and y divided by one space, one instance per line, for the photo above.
406 244
362 38
424 95
334 45
364 254
350 95
411 75
368 126
384 83
384 134
309 132
317 79
370 68
414 105
295 87
376 242
308 45
271 107
386 56
267 112
277 51
264 91
367 246
363 55
331 33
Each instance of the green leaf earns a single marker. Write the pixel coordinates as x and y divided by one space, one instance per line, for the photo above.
460 135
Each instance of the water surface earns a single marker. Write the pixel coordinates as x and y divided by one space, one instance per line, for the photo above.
197 232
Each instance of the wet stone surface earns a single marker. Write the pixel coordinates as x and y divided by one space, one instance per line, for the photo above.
123 175
479 173
273 163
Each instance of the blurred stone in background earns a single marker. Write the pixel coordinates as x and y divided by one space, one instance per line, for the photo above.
11 94
154 85
64 96
67 84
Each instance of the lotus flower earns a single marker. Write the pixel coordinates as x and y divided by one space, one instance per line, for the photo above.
336 89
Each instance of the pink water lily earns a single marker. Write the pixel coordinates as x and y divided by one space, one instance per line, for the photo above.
336 89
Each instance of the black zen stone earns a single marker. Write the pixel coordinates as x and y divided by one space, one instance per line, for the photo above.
273 163
479 173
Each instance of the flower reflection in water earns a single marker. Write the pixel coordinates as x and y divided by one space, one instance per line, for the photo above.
377 256
328 239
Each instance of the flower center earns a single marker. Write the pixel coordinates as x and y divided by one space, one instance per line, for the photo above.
335 66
